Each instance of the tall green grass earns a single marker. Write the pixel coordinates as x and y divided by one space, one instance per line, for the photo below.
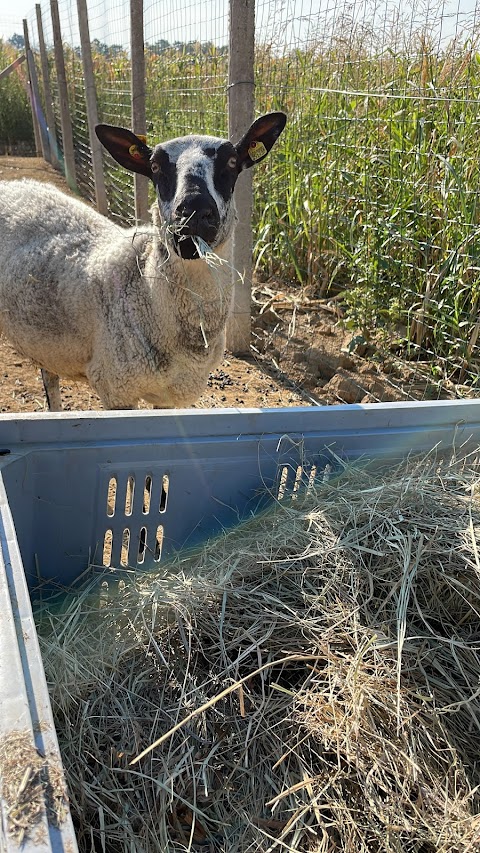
374 192
15 115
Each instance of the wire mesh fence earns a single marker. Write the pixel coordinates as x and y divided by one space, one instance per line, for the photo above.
372 201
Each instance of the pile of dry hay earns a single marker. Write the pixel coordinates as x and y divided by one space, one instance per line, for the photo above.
324 659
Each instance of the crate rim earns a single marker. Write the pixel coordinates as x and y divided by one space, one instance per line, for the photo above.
17 430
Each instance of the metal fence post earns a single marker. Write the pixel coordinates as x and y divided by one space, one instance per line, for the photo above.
139 123
91 104
241 103
47 92
67 133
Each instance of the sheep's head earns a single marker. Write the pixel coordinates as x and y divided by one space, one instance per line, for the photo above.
194 177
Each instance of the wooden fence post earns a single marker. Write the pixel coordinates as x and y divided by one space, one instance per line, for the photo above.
33 95
241 103
139 123
47 92
42 124
91 103
67 133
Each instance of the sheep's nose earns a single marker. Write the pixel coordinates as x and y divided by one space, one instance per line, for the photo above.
197 217
206 216
192 218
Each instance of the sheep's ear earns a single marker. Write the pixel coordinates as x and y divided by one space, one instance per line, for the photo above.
126 148
259 139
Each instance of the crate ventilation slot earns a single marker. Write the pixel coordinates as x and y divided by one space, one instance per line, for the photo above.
293 479
133 544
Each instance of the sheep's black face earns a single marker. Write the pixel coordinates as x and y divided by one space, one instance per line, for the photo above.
194 178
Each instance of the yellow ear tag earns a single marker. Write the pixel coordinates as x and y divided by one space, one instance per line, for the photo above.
134 152
256 151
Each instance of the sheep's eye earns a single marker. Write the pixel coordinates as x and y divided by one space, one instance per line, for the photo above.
155 168
232 163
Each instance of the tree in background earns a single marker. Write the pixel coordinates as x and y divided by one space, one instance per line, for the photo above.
17 41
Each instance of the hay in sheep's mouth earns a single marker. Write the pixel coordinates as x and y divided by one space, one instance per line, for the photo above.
333 643
185 246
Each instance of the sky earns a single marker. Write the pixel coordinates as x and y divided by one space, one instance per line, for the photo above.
12 14
191 17
185 20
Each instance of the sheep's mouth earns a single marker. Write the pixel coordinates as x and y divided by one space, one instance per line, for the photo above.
194 246
185 247
188 232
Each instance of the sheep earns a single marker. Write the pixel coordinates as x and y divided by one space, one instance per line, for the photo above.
139 313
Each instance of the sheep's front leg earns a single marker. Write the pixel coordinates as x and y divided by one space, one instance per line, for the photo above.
51 385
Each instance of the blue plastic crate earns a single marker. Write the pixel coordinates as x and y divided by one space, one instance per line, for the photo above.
134 487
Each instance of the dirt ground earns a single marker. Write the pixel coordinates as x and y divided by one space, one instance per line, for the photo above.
301 354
